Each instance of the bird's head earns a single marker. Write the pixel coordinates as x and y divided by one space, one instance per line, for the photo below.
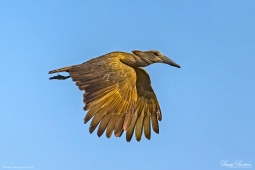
155 56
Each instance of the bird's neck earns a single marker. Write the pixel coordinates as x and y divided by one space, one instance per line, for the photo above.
135 61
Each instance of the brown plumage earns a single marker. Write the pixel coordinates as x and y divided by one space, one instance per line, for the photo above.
118 93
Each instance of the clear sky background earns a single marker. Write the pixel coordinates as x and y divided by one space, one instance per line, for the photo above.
208 105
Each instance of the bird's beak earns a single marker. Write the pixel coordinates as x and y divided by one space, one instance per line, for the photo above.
167 60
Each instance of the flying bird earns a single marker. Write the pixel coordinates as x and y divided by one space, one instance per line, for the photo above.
118 92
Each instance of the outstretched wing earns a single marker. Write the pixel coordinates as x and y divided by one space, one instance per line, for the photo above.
147 110
110 94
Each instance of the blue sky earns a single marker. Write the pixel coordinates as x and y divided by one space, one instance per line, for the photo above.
208 105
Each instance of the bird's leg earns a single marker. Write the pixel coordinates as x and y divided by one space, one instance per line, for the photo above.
59 77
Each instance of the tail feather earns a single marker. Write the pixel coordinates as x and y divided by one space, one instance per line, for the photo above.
66 69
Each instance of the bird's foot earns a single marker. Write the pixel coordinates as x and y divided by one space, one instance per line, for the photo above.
59 77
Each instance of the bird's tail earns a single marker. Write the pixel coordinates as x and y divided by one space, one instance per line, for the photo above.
66 69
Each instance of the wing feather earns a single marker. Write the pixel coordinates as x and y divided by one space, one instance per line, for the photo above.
130 131
139 126
147 111
103 124
110 92
147 126
111 125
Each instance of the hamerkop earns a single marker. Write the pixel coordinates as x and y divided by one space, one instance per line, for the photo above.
118 93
